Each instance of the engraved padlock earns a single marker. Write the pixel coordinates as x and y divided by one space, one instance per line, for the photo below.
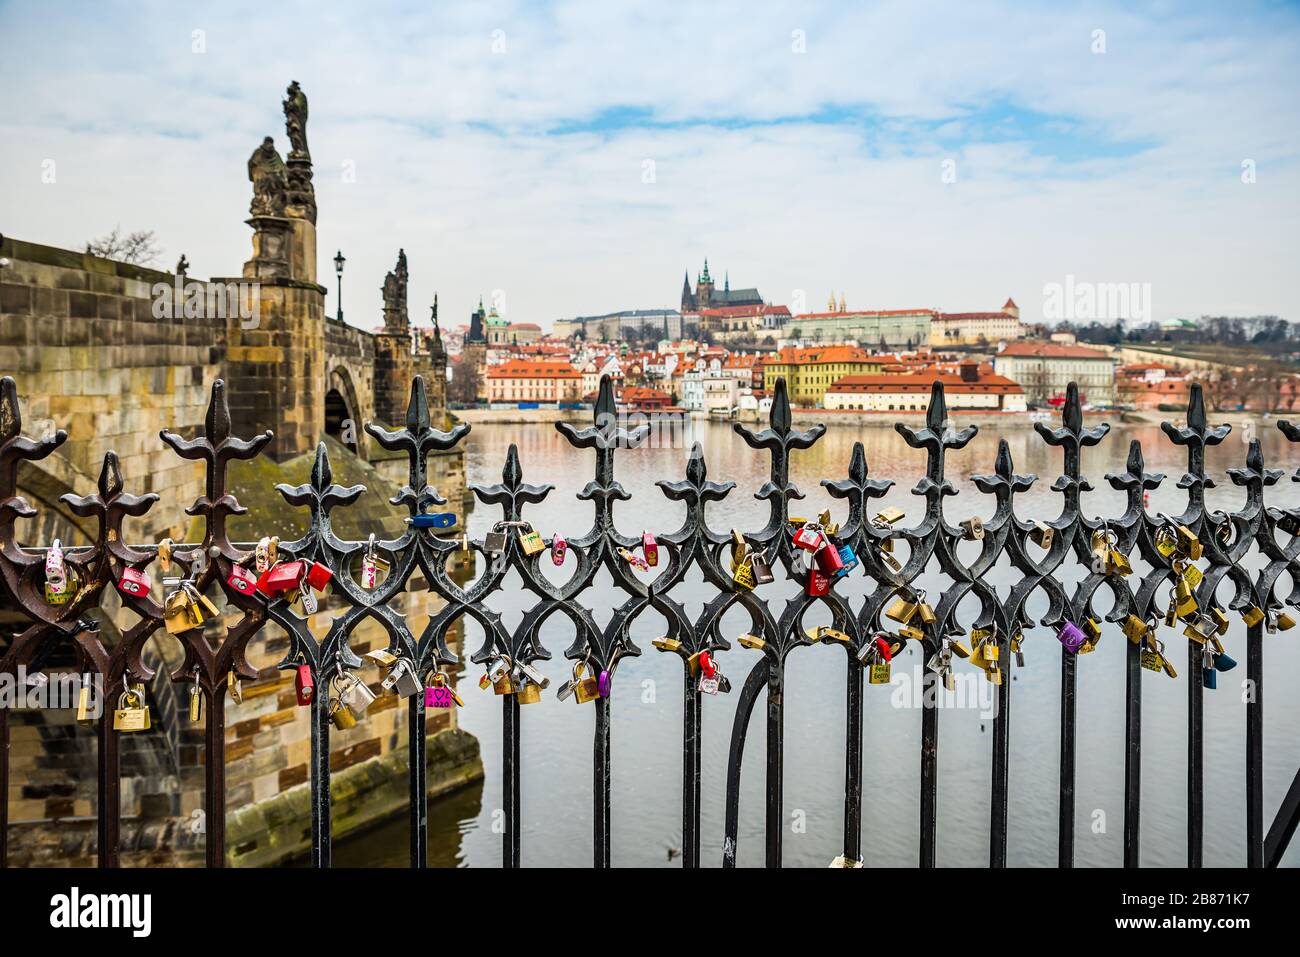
530 540
440 694
242 580
818 583
132 712
649 549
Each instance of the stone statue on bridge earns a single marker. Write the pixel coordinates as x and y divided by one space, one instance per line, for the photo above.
396 317
270 179
295 121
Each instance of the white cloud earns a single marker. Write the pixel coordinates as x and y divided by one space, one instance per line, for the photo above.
454 161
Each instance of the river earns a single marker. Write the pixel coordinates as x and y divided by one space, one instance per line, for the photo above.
647 706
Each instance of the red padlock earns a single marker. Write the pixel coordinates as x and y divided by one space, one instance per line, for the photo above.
809 537
829 561
558 549
649 548
818 584
318 576
884 647
281 578
242 580
304 685
133 582
707 666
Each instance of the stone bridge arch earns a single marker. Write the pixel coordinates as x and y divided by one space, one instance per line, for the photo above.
345 410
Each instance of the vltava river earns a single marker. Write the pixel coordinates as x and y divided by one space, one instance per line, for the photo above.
647 706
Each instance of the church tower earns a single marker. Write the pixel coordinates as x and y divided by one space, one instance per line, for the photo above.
704 288
688 297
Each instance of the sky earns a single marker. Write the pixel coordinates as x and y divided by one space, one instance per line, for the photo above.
578 158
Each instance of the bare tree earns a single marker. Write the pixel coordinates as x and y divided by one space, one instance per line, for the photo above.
139 248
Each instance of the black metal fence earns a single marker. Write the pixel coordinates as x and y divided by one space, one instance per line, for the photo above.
1190 554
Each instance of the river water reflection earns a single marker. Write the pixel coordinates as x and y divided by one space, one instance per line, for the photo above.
647 705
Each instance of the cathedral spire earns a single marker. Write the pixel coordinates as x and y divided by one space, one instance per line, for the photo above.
705 277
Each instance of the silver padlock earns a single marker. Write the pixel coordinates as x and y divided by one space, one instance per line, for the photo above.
535 676
402 679
355 694
494 542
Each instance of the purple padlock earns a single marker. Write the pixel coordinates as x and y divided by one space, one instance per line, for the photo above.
602 684
1072 637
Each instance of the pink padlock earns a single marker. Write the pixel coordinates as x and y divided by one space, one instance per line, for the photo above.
134 582
56 571
437 696
650 549
242 580
559 548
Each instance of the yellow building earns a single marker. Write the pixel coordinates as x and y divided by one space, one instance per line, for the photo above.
810 372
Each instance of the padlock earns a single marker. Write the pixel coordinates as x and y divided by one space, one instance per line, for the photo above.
752 642
402 680
923 609
494 542
132 713
354 693
559 547
587 689
903 610
440 694
604 683
280 579
829 562
567 688
1042 534
318 576
1184 601
497 669
1284 621
818 583
381 658
1289 522
1220 618
1153 658
83 700
761 568
1252 616
1016 645
176 613
165 554
528 692
667 644
972 529
235 686
304 684
1188 544
342 717
743 574
633 559
196 700
432 520
61 597
1092 631
530 540
1135 629
242 580
1072 637
504 685
533 675
134 582
889 516
56 569
848 560
808 537
266 554
1224 662
649 549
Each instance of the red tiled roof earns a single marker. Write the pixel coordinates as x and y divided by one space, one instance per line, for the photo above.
1051 350
816 354
526 369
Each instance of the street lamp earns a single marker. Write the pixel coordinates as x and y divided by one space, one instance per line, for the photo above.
338 271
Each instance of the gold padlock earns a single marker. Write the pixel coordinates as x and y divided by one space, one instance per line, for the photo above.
1189 544
667 644
341 716
503 685
915 634
752 642
1135 629
879 673
132 713
1252 616
972 529
528 693
927 613
902 610
83 700
1285 621
531 541
743 574
889 516
588 689
196 703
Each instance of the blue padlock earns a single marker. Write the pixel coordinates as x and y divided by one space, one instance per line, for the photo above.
1223 663
433 520
849 559
1209 678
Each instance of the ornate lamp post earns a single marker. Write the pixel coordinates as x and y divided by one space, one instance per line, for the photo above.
338 271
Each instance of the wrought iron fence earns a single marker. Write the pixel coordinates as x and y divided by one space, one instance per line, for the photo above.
811 553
